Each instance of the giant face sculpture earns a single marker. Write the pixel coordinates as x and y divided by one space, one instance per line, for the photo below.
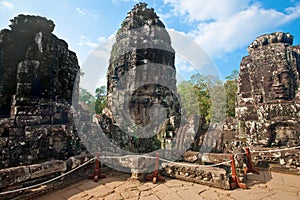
283 134
279 84
282 85
268 95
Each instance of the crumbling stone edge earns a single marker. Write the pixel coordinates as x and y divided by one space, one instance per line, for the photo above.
17 177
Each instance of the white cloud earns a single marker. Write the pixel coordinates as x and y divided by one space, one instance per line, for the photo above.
7 4
224 26
84 41
116 2
81 11
96 64
183 66
239 29
189 50
164 16
207 10
101 39
87 13
293 13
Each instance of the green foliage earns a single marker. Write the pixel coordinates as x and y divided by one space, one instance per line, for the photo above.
87 100
201 95
189 99
101 102
201 86
218 101
233 76
231 86
208 96
95 104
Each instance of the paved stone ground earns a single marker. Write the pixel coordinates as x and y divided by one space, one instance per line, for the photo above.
117 186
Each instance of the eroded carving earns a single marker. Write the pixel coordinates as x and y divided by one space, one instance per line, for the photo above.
268 94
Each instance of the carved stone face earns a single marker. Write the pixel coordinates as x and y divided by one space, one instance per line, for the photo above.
282 85
281 134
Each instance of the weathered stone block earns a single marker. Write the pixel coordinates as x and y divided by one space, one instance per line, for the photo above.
4 157
211 176
32 120
16 131
4 132
40 110
24 89
6 177
39 170
75 161
3 142
20 174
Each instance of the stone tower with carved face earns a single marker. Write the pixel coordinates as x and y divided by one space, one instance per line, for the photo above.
141 80
268 99
37 76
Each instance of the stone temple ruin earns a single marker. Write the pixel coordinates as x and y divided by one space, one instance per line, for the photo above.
37 76
268 99
39 81
267 115
268 96
267 107
141 58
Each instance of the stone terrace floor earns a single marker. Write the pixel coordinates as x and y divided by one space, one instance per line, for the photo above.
117 186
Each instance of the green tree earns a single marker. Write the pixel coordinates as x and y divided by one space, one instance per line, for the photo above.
101 102
201 84
217 96
87 100
204 95
233 76
188 97
231 86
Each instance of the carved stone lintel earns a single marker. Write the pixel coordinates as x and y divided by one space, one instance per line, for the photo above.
211 176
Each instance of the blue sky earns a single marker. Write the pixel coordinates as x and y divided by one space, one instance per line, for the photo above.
223 28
